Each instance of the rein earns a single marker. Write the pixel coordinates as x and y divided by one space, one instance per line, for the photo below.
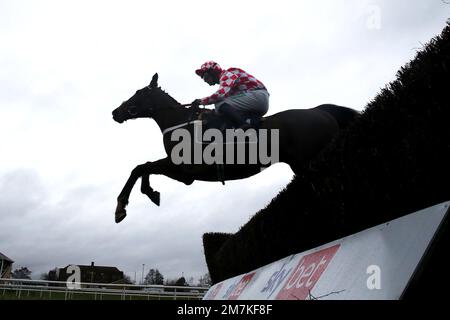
180 126
183 124
219 167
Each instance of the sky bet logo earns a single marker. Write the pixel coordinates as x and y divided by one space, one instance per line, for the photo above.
306 274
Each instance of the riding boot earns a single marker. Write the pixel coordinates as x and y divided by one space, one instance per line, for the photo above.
234 116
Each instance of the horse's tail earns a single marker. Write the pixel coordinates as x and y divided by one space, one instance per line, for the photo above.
343 115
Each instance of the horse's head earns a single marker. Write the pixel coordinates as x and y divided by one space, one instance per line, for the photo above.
141 105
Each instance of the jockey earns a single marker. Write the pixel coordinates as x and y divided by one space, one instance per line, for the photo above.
239 95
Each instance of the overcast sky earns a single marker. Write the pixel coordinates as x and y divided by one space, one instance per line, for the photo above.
65 65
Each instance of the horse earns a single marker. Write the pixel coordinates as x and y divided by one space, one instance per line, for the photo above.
302 134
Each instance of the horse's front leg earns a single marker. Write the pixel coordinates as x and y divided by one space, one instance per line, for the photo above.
147 190
168 169
163 166
143 170
122 199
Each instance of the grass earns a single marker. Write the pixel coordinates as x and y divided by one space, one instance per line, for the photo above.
73 295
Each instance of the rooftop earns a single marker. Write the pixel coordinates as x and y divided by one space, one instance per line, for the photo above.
5 258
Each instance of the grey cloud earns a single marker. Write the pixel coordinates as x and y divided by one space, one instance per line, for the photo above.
78 227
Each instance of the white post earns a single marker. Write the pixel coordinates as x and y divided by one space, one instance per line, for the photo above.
1 270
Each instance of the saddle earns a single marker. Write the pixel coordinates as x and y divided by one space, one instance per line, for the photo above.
211 120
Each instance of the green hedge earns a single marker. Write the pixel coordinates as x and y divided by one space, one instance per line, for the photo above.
393 160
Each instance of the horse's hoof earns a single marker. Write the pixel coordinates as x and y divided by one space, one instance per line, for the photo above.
155 196
121 213
120 216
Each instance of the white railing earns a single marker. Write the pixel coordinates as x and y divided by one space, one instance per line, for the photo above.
97 291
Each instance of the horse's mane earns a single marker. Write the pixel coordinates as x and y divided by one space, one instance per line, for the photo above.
171 102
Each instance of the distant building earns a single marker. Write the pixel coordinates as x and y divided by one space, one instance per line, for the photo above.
5 266
90 274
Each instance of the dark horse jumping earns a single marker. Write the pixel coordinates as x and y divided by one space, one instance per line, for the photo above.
302 135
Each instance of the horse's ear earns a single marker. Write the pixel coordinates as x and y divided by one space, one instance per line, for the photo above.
154 82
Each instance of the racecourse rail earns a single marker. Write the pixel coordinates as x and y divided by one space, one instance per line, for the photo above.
45 289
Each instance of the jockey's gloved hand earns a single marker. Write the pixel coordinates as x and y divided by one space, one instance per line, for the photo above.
196 103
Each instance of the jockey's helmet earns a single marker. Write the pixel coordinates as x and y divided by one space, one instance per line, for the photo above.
208 67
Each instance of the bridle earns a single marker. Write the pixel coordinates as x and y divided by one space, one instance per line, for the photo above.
131 110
